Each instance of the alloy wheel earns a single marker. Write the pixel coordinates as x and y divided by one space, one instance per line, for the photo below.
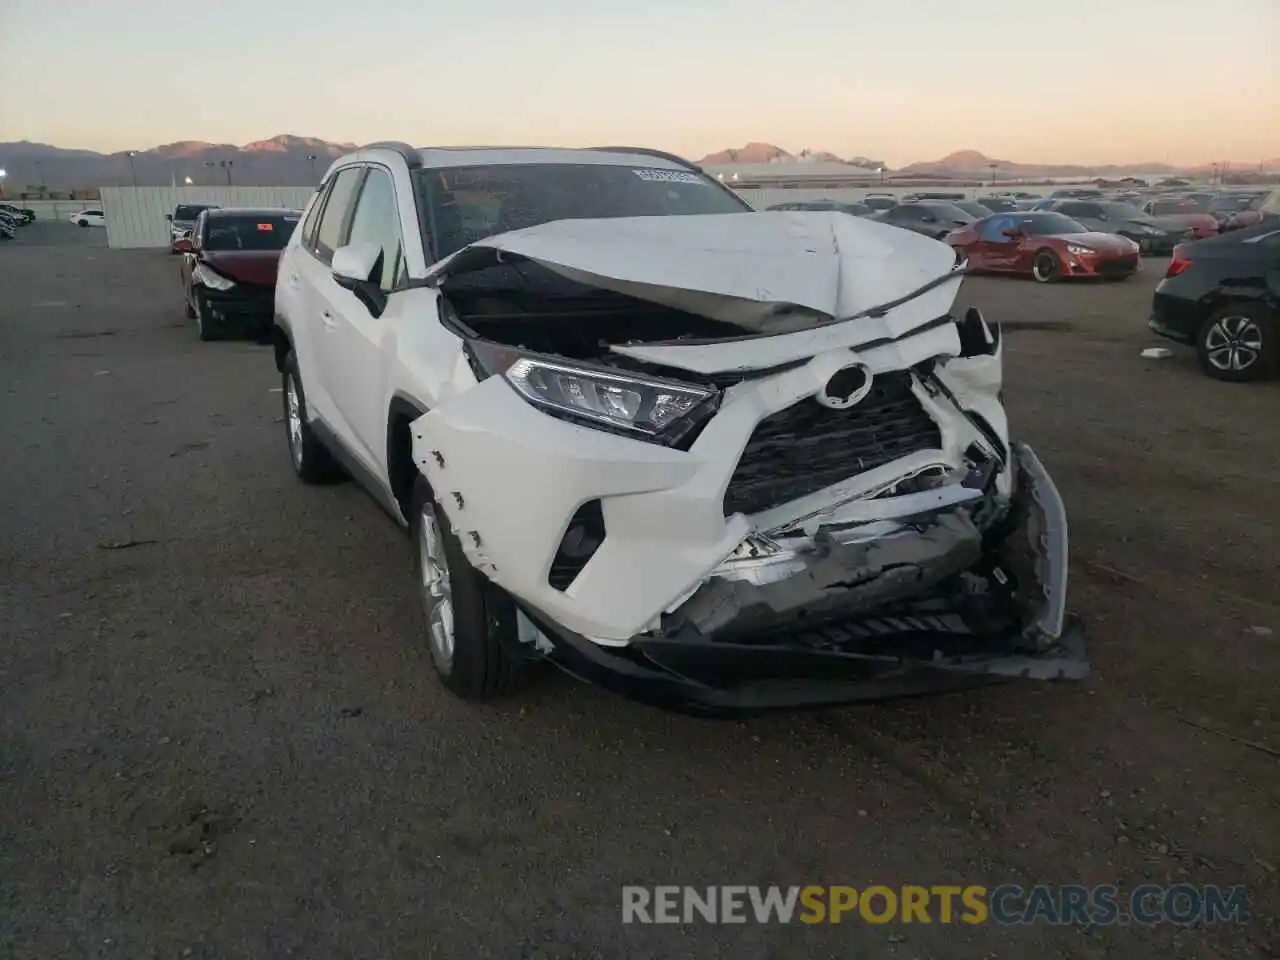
435 589
293 413
1233 343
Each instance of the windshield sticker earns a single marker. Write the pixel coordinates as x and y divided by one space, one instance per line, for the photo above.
654 175
266 227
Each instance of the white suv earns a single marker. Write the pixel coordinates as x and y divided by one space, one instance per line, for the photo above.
716 459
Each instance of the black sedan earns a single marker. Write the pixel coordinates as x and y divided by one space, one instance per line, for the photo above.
933 218
21 215
1222 296
1153 235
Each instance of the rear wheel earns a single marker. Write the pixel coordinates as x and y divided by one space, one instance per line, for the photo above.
1045 267
471 622
1238 343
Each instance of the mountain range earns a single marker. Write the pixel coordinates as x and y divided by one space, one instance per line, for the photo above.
290 160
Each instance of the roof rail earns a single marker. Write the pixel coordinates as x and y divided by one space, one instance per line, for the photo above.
648 152
410 154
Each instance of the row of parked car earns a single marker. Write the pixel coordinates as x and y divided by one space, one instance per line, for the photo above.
1221 291
11 218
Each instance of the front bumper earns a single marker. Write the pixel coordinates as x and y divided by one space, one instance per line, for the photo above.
1084 265
244 305
1001 618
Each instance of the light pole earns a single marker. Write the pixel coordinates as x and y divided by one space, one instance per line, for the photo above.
993 167
40 175
311 159
133 171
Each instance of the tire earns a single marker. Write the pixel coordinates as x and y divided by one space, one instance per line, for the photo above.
206 326
311 459
83 223
191 311
470 622
1238 343
1045 267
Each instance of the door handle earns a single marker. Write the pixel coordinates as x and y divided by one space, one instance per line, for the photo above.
328 319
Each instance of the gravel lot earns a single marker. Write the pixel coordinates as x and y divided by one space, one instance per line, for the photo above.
218 737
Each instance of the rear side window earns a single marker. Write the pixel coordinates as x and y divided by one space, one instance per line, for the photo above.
309 225
337 212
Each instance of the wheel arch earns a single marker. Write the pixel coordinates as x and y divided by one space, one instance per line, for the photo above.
402 471
281 341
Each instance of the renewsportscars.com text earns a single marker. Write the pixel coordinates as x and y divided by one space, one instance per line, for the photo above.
1052 904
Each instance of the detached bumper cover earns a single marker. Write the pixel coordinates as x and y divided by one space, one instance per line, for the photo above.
243 303
951 636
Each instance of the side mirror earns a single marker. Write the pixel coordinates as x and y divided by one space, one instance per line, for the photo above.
183 245
353 264
169 217
352 267
1012 232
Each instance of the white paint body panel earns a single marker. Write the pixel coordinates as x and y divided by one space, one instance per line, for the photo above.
509 476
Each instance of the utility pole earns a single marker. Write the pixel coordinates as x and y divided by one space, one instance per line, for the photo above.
133 171
311 159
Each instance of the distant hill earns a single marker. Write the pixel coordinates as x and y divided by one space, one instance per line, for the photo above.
971 163
279 161
770 153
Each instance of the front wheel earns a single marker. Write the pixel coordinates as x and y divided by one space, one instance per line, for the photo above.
1044 268
206 325
82 222
1238 343
311 460
471 622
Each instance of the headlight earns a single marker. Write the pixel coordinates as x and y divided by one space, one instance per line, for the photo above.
214 281
644 407
1080 251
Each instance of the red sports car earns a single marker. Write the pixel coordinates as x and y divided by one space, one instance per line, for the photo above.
1046 245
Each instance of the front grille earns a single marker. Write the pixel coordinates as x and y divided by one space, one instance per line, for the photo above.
1116 268
243 298
806 447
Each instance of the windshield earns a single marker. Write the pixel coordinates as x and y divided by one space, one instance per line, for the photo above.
1049 225
187 212
1229 204
269 231
1123 211
947 211
466 204
1162 207
977 209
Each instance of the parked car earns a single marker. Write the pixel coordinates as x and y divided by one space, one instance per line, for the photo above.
851 207
624 427
1224 207
90 217
229 268
880 201
1045 246
23 215
974 208
1077 193
1154 235
8 228
1221 296
1253 211
999 204
1186 212
932 218
183 219
933 195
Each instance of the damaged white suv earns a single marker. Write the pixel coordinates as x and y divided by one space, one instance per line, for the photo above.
715 459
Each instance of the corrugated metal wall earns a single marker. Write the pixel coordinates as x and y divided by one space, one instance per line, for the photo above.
135 215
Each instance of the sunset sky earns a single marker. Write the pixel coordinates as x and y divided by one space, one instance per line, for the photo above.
898 80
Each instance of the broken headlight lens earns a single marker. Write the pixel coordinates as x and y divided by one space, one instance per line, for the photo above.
632 403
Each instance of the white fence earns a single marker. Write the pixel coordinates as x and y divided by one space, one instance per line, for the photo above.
135 215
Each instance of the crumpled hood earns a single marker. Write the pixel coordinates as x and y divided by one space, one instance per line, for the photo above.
750 269
1101 241
245 266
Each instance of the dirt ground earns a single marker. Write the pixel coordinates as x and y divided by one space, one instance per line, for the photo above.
220 736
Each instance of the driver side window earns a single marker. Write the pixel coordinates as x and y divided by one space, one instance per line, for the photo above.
993 230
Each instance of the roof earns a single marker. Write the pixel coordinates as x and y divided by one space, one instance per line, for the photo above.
214 213
618 156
